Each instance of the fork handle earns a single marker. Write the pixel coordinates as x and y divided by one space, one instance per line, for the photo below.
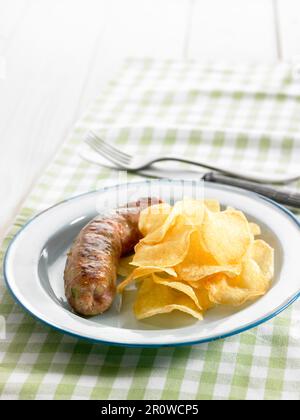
245 175
283 197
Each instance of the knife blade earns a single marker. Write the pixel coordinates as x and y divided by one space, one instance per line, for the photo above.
290 199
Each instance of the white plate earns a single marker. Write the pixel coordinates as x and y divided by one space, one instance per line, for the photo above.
34 264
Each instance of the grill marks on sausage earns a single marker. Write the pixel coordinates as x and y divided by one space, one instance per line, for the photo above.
91 268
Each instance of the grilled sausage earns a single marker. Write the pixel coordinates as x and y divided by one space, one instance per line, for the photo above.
91 268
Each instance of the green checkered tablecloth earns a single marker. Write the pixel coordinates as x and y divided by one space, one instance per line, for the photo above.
244 116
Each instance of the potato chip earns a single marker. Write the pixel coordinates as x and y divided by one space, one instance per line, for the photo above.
255 229
180 286
263 255
203 299
153 299
197 254
199 264
157 235
222 292
153 217
194 256
253 281
189 211
193 211
125 268
168 253
199 273
252 278
212 205
231 271
199 296
227 236
140 272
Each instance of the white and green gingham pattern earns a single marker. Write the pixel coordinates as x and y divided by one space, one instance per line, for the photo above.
244 116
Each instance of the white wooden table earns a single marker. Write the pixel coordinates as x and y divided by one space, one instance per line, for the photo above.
55 56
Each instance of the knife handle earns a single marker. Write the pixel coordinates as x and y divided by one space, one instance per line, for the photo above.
282 197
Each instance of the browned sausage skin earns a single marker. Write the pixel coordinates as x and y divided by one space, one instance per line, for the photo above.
91 268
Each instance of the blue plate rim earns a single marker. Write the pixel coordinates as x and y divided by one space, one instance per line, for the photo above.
232 333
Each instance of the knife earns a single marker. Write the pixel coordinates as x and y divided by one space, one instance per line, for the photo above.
289 199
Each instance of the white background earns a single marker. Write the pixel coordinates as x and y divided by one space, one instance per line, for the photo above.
55 56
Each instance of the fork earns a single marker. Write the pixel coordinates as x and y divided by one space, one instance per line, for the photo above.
136 163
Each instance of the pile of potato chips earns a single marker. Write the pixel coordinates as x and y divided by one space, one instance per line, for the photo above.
194 256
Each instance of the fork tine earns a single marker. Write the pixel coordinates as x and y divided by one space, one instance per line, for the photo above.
100 148
103 153
109 146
